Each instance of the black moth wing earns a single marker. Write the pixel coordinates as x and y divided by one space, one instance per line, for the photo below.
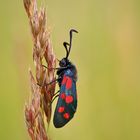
67 101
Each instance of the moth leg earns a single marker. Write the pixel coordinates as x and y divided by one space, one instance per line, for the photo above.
55 96
53 81
56 93
48 83
50 68
54 68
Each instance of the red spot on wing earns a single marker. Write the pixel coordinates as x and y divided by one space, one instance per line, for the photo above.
66 115
68 83
63 96
64 80
69 99
61 109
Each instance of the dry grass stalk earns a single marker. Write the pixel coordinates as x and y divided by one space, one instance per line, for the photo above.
40 103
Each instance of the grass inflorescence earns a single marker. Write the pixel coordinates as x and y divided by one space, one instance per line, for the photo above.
39 107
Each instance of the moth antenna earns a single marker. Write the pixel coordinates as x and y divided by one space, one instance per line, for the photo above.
65 45
70 45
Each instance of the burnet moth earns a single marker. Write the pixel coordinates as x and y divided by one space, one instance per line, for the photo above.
67 95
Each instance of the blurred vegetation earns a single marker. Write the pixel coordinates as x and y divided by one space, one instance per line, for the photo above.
107 55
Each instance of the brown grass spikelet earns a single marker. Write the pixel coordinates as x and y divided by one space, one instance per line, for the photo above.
42 93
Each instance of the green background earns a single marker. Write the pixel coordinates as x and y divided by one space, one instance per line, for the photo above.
107 55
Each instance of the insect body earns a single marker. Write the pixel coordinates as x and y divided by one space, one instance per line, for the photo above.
67 77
